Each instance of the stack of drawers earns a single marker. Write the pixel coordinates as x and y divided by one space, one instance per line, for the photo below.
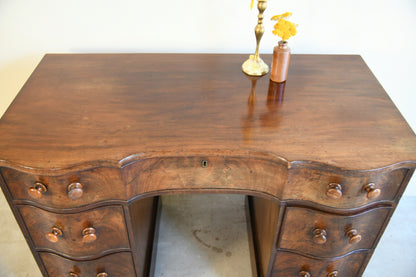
334 218
91 141
76 221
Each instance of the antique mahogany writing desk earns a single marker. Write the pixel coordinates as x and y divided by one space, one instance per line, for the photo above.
91 141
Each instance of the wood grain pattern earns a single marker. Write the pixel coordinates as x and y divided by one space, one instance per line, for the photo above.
111 106
120 264
221 173
143 220
255 272
311 184
290 264
99 184
265 214
22 225
122 128
108 222
299 225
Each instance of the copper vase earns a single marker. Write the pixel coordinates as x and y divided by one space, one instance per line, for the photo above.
280 62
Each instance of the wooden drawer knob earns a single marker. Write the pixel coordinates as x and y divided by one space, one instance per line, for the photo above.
334 191
54 235
88 235
304 274
102 274
319 236
354 236
333 274
37 190
75 191
372 191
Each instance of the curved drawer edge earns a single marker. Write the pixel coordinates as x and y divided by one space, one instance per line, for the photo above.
116 264
365 251
338 211
77 209
56 171
329 167
85 257
206 191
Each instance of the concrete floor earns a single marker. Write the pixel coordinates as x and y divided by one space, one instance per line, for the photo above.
215 244
208 232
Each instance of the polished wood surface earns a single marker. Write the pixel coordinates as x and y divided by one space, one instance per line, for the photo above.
311 183
321 234
109 107
205 173
289 264
93 140
98 184
85 234
119 264
264 218
143 220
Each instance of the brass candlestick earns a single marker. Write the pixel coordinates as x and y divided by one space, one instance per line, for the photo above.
255 66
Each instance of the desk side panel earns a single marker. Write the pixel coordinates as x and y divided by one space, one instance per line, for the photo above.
21 224
143 223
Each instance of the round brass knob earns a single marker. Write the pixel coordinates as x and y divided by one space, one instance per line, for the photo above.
334 191
354 236
304 274
73 274
88 235
54 235
372 191
37 190
319 236
75 191
333 274
102 274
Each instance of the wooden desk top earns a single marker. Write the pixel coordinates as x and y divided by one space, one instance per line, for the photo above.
83 108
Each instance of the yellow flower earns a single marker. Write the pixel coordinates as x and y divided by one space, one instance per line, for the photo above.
251 5
284 28
285 15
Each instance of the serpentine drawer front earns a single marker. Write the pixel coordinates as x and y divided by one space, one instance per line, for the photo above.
202 172
69 190
92 141
344 189
120 264
77 234
324 235
289 264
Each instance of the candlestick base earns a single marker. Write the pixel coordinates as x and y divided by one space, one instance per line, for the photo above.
255 66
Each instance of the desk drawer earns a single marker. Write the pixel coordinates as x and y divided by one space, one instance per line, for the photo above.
343 189
217 173
322 234
289 264
66 191
115 265
77 234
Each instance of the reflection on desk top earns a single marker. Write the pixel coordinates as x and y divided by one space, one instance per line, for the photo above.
80 108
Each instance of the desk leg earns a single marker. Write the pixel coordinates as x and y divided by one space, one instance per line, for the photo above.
264 214
156 223
144 225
